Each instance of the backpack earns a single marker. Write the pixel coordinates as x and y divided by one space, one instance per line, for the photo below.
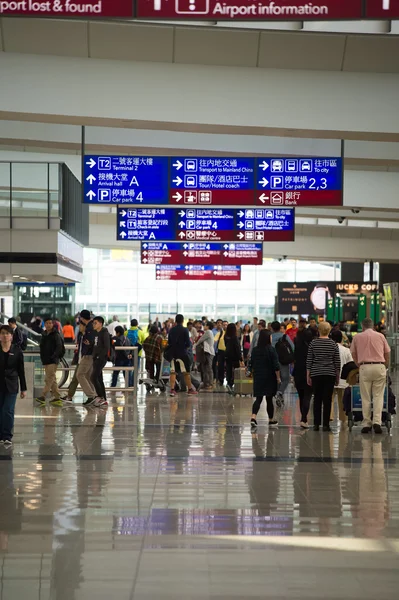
284 350
133 337
62 354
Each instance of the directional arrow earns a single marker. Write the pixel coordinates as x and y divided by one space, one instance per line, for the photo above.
122 223
240 235
178 180
264 182
124 213
240 224
264 165
145 260
91 163
145 253
225 253
263 198
182 234
240 214
91 194
178 165
177 197
182 224
185 253
144 245
91 178
123 234
182 213
185 246
226 246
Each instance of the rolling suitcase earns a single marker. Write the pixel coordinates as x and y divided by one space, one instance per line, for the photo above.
243 384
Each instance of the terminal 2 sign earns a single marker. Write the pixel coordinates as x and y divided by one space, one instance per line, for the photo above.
233 10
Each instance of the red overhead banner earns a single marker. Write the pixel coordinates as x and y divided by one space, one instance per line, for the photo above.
262 10
67 9
382 9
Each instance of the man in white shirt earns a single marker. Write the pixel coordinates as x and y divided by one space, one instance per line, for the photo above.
112 326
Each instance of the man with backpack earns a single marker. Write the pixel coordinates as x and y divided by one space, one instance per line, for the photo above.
52 349
135 337
285 352
19 338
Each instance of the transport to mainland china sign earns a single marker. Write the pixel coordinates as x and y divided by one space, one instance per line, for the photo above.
266 10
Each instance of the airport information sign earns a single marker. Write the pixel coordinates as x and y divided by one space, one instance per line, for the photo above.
197 272
205 225
262 10
197 253
213 181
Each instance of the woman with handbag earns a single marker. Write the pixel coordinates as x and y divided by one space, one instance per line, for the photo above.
246 340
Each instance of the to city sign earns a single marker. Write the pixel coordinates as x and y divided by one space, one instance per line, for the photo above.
66 9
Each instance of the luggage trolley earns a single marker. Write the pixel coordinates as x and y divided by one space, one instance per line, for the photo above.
356 407
164 375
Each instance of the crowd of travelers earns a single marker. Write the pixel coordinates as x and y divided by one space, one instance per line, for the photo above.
203 356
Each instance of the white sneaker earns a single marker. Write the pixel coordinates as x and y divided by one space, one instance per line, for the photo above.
100 402
7 443
304 425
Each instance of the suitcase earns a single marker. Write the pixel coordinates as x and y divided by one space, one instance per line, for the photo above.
243 384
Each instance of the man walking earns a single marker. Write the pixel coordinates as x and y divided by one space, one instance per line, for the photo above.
179 344
86 362
101 348
370 351
51 351
287 349
261 325
221 353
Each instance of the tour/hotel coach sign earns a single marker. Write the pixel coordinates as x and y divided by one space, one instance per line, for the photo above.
229 10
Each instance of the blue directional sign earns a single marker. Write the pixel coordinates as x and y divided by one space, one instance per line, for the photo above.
299 181
126 180
208 181
205 225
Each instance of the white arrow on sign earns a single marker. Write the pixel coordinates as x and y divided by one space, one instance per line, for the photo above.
124 213
182 235
123 234
185 246
144 245
240 224
178 165
240 214
91 194
263 198
177 197
178 180
264 165
182 224
240 235
226 246
264 182
122 223
185 253
91 178
91 163
145 253
225 253
182 213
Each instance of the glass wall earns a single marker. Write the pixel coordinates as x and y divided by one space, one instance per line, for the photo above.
46 299
115 283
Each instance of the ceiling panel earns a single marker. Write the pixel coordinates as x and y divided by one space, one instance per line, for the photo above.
301 51
216 47
45 36
378 54
120 41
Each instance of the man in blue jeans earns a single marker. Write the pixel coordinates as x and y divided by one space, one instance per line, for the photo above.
11 370
284 369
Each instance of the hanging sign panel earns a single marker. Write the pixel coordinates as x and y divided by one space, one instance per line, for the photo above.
205 225
197 272
67 9
197 253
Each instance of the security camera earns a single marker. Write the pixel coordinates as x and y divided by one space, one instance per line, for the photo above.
341 220
355 211
285 257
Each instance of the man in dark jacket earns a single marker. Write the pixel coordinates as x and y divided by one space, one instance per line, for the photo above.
51 350
179 344
17 335
101 348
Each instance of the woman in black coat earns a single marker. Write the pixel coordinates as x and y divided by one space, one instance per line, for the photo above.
11 370
302 342
233 354
266 373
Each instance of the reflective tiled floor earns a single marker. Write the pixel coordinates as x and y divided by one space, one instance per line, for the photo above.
164 499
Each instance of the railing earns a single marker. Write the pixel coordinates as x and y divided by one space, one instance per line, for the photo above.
64 369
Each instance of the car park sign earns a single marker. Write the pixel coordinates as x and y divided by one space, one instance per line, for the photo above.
213 181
